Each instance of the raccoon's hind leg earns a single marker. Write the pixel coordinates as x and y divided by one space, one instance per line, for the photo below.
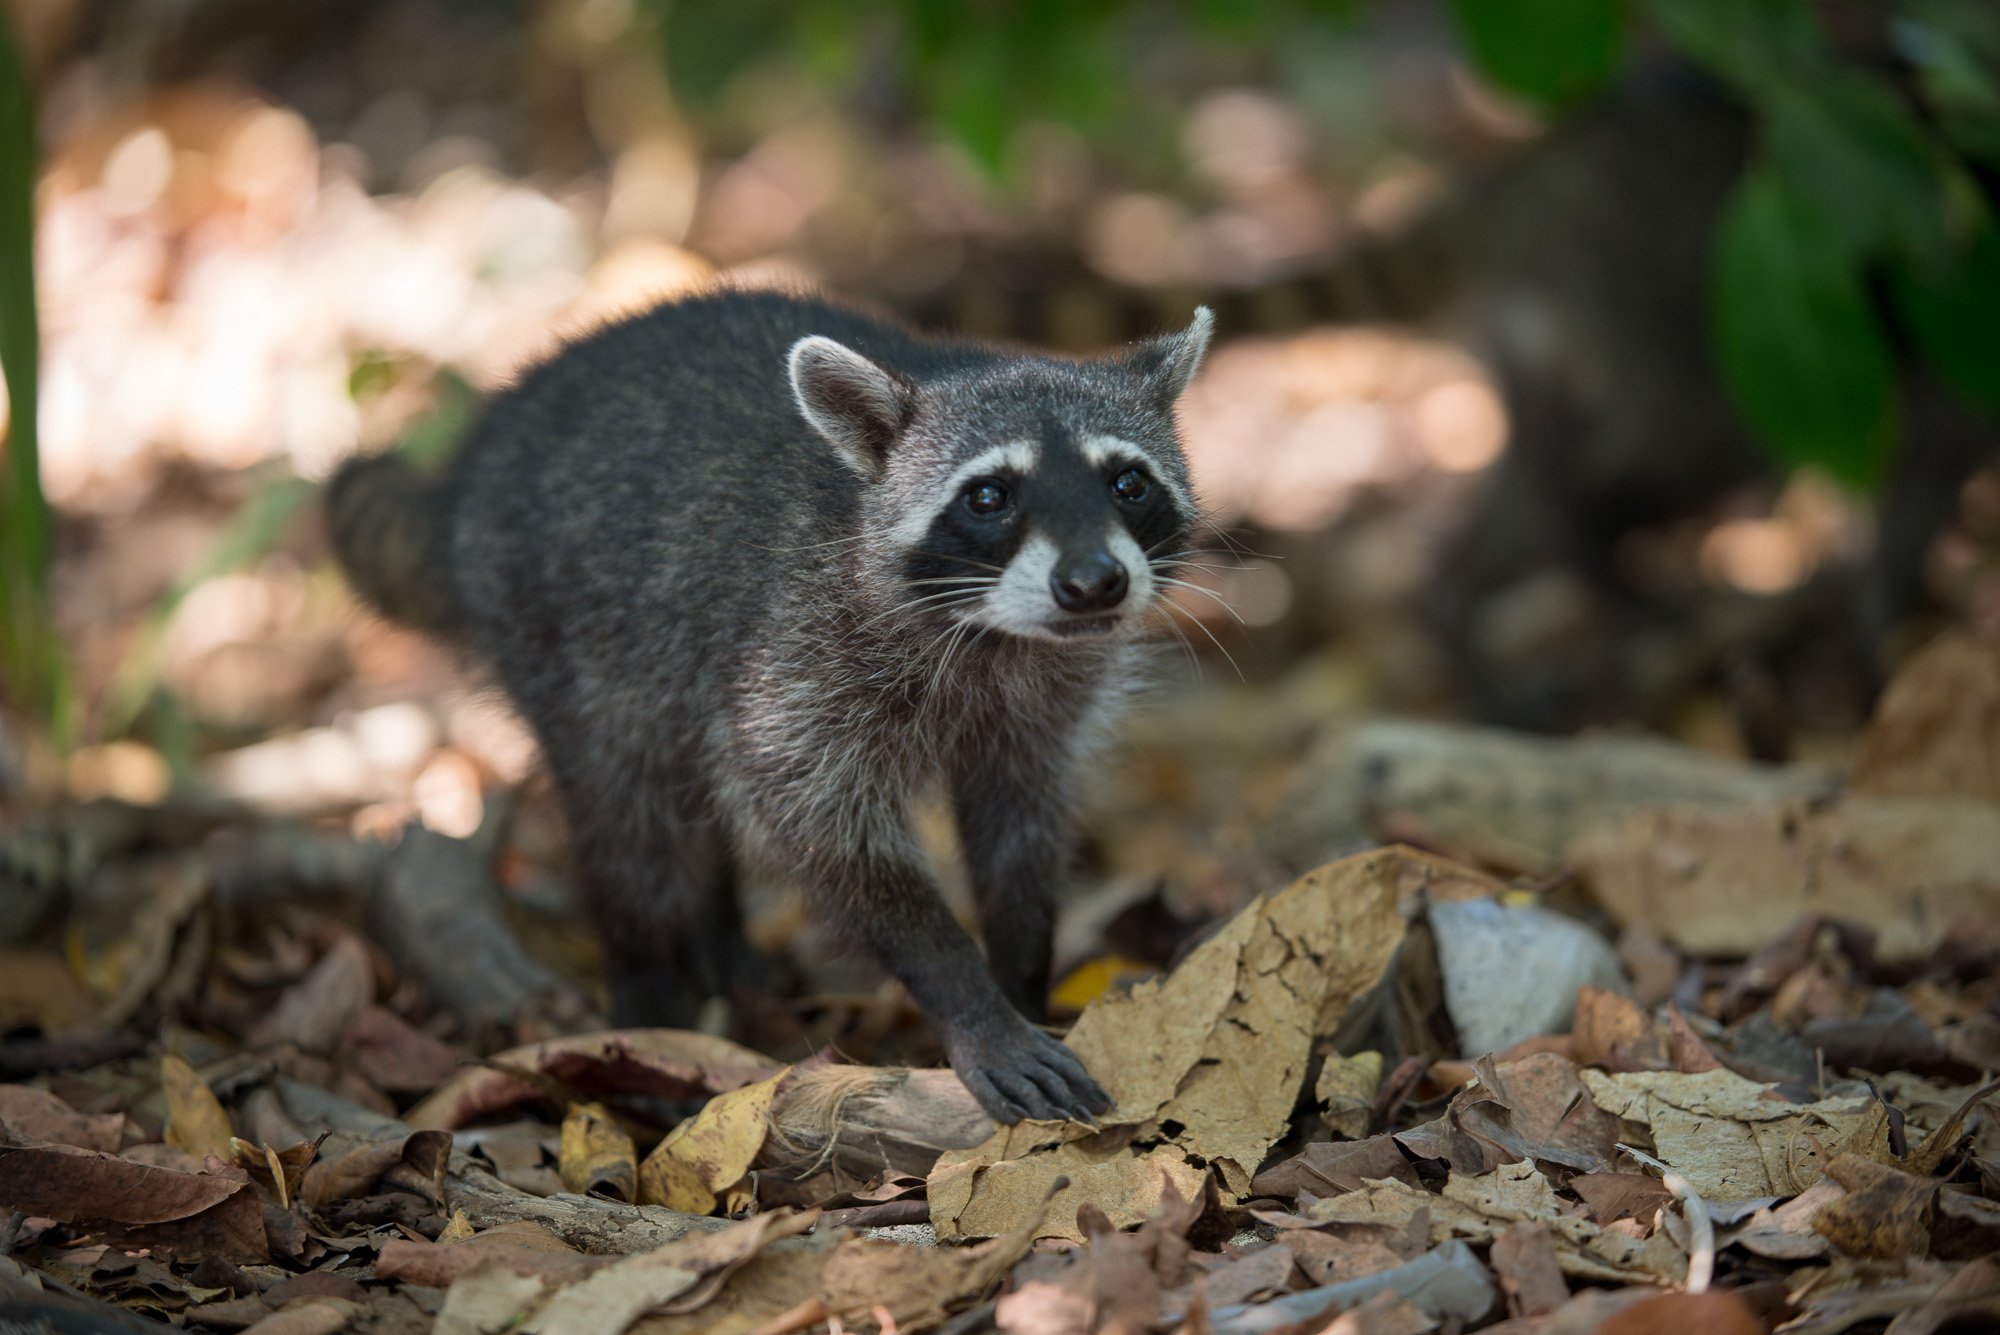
659 881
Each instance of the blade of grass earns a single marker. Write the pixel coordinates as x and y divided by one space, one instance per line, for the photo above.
31 660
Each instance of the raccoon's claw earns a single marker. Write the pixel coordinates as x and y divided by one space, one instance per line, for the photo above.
1022 1073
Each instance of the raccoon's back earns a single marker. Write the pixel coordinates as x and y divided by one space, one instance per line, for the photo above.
627 515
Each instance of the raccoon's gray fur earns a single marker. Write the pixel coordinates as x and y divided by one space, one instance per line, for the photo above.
758 570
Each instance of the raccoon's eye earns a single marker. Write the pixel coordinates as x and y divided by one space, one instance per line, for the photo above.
985 498
1130 485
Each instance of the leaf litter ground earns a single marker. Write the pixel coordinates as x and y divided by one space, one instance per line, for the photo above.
242 1097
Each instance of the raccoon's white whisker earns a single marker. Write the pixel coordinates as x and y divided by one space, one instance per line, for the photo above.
951 650
1180 562
1227 656
864 536
1206 593
1187 645
1203 628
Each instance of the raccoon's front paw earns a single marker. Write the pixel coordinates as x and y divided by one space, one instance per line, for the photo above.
1016 1071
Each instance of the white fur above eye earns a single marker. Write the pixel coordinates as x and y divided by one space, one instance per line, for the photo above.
856 405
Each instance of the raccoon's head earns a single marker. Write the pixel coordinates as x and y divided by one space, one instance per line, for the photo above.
1028 495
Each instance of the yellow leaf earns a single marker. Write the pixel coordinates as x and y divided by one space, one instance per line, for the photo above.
196 1123
711 1150
458 1230
1093 978
597 1155
1347 1087
674 1183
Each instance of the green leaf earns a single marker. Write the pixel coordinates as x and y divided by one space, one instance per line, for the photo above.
1954 317
1548 51
1844 142
1743 41
1799 347
1954 48
708 44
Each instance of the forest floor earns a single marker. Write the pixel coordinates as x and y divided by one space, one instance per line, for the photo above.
1410 1026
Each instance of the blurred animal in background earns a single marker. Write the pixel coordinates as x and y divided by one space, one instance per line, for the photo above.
748 614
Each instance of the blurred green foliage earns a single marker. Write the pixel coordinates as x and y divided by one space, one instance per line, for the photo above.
31 662
1866 179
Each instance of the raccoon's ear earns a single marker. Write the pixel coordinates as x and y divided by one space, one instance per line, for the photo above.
858 406
1170 361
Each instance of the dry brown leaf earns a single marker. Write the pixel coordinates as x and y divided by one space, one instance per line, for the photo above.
1384 1314
1524 1256
1615 1196
488 1297
40 1115
1251 1277
679 1277
1884 1213
1346 1087
1611 1031
988 1191
1936 731
775 1292
310 1316
1903 867
396 1057
661 1063
137 1205
279 1170
597 1155
1207 1063
1718 1130
1533 1108
1478 1209
1327 1167
1786 1233
1713 1313
313 1012
1972 1293
1324 1258
417 1160
524 1247
196 1122
919 1286
1685 1049
1106 1286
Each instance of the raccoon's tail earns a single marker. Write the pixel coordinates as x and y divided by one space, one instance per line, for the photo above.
390 535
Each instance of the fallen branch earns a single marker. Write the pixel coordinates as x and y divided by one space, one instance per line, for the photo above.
590 1225
436 909
863 1120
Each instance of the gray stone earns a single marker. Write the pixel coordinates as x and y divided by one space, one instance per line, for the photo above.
1512 972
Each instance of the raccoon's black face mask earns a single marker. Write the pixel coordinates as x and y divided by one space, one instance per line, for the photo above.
1047 501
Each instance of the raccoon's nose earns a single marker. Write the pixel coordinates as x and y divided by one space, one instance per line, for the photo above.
1093 583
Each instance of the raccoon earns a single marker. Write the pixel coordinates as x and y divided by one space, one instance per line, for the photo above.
758 570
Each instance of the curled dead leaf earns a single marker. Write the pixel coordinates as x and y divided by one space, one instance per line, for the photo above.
715 1147
597 1156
